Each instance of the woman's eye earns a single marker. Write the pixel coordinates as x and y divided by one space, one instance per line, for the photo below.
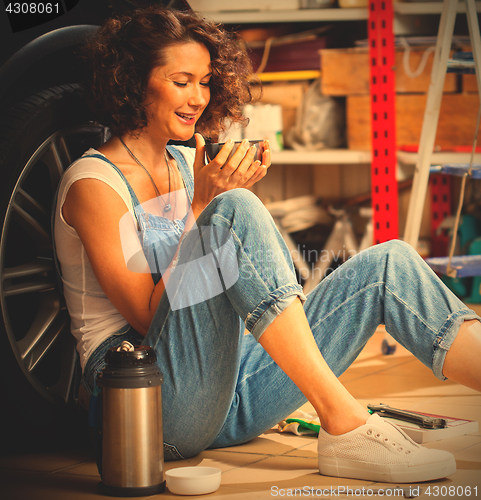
205 84
180 84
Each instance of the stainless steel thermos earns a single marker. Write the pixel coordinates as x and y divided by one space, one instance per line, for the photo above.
132 437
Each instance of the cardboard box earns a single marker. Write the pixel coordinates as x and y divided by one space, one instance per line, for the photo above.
456 126
347 72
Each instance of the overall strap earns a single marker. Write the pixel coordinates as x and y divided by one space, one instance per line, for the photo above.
181 163
135 201
184 170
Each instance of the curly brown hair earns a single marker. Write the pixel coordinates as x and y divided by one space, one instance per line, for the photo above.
123 52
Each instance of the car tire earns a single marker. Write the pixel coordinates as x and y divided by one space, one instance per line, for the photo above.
39 138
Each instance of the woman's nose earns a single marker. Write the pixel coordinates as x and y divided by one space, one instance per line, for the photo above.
198 97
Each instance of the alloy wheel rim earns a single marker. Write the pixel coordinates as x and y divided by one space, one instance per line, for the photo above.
34 312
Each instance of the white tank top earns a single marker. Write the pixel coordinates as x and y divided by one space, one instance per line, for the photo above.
93 317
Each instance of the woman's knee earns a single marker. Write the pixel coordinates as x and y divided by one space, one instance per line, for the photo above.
382 261
240 204
395 249
241 199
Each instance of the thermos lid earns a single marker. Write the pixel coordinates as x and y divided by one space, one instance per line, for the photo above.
129 366
141 355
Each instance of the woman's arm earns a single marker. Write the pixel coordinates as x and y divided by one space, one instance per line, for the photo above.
94 210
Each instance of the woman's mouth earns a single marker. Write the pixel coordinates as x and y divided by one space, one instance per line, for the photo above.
188 119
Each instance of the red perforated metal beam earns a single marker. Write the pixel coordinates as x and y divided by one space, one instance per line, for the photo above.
440 189
383 119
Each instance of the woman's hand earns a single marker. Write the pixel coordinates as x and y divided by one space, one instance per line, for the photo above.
223 174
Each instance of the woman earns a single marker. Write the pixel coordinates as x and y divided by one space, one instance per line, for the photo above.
146 258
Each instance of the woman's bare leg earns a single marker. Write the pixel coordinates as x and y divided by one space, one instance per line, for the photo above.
462 363
290 343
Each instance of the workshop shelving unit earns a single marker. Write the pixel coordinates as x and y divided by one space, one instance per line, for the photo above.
404 14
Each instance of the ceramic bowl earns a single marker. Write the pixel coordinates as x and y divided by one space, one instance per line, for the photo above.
193 480
213 149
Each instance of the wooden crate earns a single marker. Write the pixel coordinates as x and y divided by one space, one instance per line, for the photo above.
457 120
289 94
346 72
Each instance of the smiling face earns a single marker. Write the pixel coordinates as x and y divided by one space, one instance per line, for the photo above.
178 92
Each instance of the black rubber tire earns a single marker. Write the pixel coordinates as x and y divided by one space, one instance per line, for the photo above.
39 137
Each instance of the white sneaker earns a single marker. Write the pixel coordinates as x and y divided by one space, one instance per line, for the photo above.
380 451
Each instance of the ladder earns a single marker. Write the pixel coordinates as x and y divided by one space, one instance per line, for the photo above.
454 266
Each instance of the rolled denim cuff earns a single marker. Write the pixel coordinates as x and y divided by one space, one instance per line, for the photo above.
267 311
446 336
